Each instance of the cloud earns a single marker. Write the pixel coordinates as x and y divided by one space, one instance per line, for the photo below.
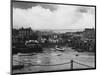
64 17
26 5
90 10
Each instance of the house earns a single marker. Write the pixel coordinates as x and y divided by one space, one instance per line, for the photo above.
25 32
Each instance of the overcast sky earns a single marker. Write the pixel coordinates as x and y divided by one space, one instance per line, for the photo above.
51 16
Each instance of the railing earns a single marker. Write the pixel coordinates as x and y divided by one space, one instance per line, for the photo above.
71 62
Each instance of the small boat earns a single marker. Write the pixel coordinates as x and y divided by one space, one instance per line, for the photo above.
30 46
59 48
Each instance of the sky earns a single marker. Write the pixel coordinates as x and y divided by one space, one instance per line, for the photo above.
52 16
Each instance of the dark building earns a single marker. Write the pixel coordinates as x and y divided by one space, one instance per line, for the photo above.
89 33
21 35
23 32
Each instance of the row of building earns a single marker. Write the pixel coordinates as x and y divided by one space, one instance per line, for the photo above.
24 34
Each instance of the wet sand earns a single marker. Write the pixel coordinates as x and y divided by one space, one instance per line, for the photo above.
53 57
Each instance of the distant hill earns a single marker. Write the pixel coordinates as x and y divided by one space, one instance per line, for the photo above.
60 30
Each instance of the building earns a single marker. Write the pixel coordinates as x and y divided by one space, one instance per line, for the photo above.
23 32
21 35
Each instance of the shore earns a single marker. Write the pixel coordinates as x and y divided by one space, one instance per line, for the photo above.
52 57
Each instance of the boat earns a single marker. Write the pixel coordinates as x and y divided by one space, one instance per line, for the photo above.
30 46
59 48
